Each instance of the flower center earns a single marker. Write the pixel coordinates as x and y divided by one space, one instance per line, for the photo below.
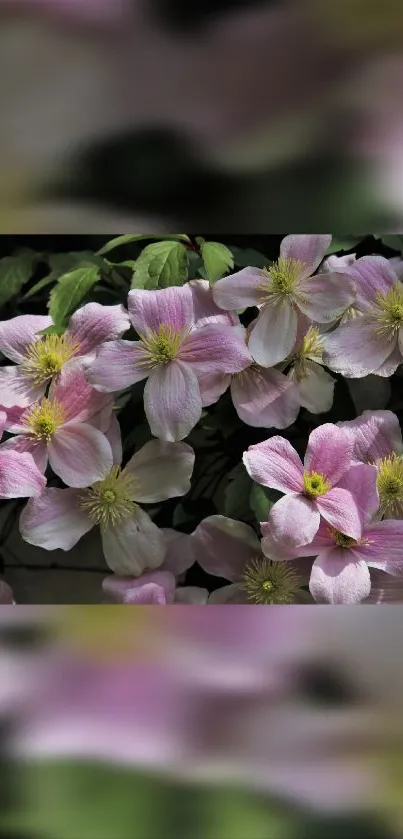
110 501
312 348
390 318
282 275
390 485
46 357
44 418
162 345
269 583
341 540
316 484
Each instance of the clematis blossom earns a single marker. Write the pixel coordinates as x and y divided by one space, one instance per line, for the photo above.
326 485
315 385
284 291
40 358
131 541
19 475
173 350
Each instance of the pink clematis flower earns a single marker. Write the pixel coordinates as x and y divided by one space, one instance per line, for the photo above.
373 342
131 541
59 429
172 352
282 292
325 485
19 475
305 369
40 358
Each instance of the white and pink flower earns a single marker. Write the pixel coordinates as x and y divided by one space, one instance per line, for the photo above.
19 475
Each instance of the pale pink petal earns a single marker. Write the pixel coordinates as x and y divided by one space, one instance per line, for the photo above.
6 594
234 594
16 419
376 434
273 336
19 475
134 544
242 289
382 546
80 455
180 552
275 463
392 362
54 521
223 547
148 594
172 401
3 420
339 263
17 334
17 389
325 297
191 596
265 398
23 443
118 365
277 551
173 307
372 275
339 509
355 348
204 307
294 520
329 451
161 470
306 248
360 480
78 399
215 348
114 438
157 588
337 578
93 324
212 386
316 389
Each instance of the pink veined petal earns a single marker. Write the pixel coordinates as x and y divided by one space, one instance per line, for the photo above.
325 297
242 289
212 386
24 444
205 309
223 547
79 401
16 419
372 275
191 596
355 349
376 434
19 475
215 348
307 248
157 588
275 463
134 544
54 521
339 508
17 334
16 389
161 470
180 552
316 389
382 546
273 336
80 455
118 365
114 438
294 520
172 401
3 420
329 452
277 551
173 307
338 578
93 324
265 398
360 480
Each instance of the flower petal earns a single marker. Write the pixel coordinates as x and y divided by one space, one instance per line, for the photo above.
22 443
204 307
157 588
275 463
172 401
337 578
265 398
242 289
191 596
329 451
19 475
355 349
316 389
114 438
212 386
80 455
325 297
294 520
307 248
383 546
360 480
180 552
118 365
17 334
234 594
134 544
278 551
215 349
161 470
385 588
373 275
173 306
78 400
339 508
223 547
16 389
3 420
54 521
376 434
274 333
93 324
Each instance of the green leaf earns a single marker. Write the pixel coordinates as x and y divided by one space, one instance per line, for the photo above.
218 260
161 265
347 243
128 238
393 242
53 330
15 271
45 281
70 291
259 502
246 257
237 493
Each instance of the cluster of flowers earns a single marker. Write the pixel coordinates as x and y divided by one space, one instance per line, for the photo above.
344 505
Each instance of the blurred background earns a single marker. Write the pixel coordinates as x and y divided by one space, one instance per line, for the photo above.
128 115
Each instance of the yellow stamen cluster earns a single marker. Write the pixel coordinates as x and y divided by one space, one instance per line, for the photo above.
282 275
390 319
315 484
110 501
270 583
43 419
162 345
312 349
390 486
46 357
340 539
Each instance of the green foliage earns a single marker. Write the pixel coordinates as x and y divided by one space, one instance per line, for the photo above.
70 292
260 502
345 243
217 260
160 265
392 241
237 493
15 271
129 238
245 257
